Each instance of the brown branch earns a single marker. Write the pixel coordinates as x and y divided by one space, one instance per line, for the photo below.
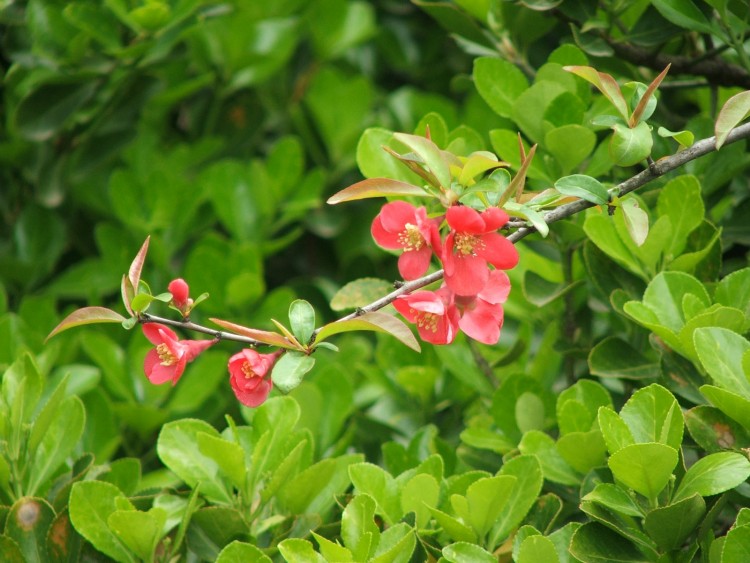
188 325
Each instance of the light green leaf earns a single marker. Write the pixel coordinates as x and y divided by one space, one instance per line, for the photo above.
464 552
721 352
241 551
359 293
670 525
291 369
430 154
713 474
376 187
630 146
85 316
735 110
499 83
645 468
636 220
379 322
616 433
296 550
654 415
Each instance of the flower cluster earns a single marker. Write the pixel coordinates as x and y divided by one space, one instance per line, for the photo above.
472 294
249 371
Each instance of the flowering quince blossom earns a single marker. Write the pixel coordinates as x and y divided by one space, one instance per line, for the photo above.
400 225
167 361
434 313
482 314
250 376
471 244
180 293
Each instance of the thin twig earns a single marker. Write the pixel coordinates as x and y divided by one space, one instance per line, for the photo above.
189 325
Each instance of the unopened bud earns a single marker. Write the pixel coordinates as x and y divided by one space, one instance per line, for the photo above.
180 292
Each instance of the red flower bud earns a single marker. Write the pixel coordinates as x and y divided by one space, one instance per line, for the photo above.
180 292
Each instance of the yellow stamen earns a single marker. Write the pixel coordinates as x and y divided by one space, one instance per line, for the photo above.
466 243
411 238
428 321
247 370
166 357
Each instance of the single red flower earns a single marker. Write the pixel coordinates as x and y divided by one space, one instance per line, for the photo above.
168 360
401 226
250 376
180 293
433 312
471 244
482 315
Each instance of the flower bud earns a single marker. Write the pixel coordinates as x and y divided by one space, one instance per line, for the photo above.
180 292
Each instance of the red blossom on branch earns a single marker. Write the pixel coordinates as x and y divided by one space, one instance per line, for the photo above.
250 376
482 314
167 361
401 226
472 243
180 293
434 313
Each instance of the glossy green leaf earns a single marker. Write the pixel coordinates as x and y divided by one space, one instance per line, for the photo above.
616 358
683 13
241 551
527 470
735 110
654 415
396 544
615 498
605 83
359 293
212 528
229 456
430 155
646 468
537 548
485 499
685 138
91 504
733 405
295 550
570 145
595 543
714 431
713 474
734 291
680 200
735 548
376 187
332 551
85 316
499 82
417 495
554 467
380 486
721 352
577 406
358 528
583 450
670 525
290 370
464 552
630 146
27 523
379 322
139 531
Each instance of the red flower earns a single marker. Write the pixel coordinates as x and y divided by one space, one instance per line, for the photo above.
180 293
471 244
482 314
168 360
250 376
433 312
400 225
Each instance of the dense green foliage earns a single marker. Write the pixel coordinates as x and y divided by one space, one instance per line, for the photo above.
612 420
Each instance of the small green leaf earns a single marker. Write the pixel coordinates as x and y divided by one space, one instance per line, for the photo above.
684 13
721 352
430 154
376 187
499 82
291 369
140 531
377 321
616 433
615 498
27 523
630 146
670 525
554 467
302 320
735 110
295 550
464 552
359 293
645 468
358 528
537 548
594 542
585 187
713 474
526 212
654 415
241 551
615 357
636 220
685 138
85 316
229 456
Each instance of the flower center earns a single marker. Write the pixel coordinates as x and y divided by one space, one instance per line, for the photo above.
411 238
166 357
428 321
247 370
466 243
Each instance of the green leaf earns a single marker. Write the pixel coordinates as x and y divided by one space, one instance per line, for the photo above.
577 406
537 548
684 138
295 550
630 146
464 552
396 544
178 448
605 84
647 104
570 145
614 498
721 352
733 405
47 415
714 431
212 528
670 525
359 293
240 551
734 291
616 358
85 316
735 110
499 83
636 220
302 320
229 456
270 338
735 548
417 495
358 528
91 504
645 468
554 467
377 321
376 187
526 212
616 433
430 154
58 442
595 543
583 450
290 370
680 200
484 501
654 415
27 523
684 13
381 487
139 531
713 474
529 479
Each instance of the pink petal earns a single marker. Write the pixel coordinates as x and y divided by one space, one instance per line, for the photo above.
155 372
414 263
394 215
179 369
465 219
497 288
155 332
483 323
469 275
386 239
498 251
426 301
196 347
255 397
494 218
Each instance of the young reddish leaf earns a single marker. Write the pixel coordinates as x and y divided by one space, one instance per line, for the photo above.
735 110
375 187
87 316
264 336
430 153
519 180
638 111
134 273
379 322
128 293
606 85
